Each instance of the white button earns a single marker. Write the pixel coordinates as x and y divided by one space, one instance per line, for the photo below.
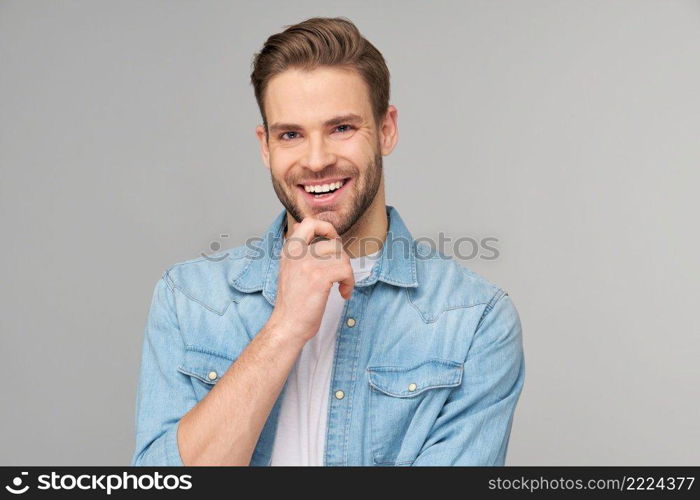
351 322
412 387
212 375
339 394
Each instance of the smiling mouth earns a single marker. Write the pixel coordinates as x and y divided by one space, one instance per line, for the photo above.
322 191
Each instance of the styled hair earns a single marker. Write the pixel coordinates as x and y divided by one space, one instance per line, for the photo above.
322 41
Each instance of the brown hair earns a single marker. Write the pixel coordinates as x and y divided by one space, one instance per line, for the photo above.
322 41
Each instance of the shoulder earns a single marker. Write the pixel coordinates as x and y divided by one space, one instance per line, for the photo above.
445 284
205 280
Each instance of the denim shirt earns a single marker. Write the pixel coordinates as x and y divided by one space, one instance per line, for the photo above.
428 363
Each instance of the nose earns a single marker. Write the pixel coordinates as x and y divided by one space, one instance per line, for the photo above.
318 154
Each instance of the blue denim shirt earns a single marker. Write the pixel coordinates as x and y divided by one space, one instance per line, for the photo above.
431 369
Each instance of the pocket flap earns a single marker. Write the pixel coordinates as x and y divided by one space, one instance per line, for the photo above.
205 366
406 382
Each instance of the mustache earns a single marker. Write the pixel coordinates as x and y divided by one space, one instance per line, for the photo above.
318 177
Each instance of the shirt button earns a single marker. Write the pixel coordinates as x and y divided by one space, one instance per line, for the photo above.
351 322
339 394
212 375
412 387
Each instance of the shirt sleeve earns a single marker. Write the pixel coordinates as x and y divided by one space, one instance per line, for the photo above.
164 394
473 427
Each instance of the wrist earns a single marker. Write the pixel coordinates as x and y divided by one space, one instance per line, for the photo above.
280 333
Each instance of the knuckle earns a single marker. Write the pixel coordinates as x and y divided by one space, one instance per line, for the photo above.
317 250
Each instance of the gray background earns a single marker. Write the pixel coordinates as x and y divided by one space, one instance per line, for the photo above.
566 129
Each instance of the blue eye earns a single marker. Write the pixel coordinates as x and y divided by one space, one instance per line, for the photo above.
350 127
282 135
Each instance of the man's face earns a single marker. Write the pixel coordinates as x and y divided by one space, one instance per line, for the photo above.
322 136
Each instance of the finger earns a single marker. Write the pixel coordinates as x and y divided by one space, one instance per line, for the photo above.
316 239
344 276
310 227
327 248
346 287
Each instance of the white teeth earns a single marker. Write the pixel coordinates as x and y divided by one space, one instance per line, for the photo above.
323 188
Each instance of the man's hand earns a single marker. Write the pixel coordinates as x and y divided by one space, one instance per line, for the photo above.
312 260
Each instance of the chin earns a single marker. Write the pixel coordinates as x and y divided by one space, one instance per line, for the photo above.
331 216
335 217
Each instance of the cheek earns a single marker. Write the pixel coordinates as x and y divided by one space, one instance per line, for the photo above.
355 154
280 164
362 157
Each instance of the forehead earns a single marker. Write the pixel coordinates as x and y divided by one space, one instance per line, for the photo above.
298 96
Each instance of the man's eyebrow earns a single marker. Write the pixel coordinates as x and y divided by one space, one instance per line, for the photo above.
337 120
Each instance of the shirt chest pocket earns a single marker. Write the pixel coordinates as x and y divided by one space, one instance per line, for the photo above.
204 368
404 402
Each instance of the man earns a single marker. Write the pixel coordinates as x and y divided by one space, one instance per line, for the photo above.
334 341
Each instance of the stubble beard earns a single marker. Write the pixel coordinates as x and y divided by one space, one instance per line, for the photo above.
360 199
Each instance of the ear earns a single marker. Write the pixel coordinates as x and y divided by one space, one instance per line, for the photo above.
264 150
389 130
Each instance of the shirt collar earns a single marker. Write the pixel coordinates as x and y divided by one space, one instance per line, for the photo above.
396 265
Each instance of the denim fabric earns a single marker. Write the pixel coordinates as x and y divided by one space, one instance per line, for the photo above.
431 369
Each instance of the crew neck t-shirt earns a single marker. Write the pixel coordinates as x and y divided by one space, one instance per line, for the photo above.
301 430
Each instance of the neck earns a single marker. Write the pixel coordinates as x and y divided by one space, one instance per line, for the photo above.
368 234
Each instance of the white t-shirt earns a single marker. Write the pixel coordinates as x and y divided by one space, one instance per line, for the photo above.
301 429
